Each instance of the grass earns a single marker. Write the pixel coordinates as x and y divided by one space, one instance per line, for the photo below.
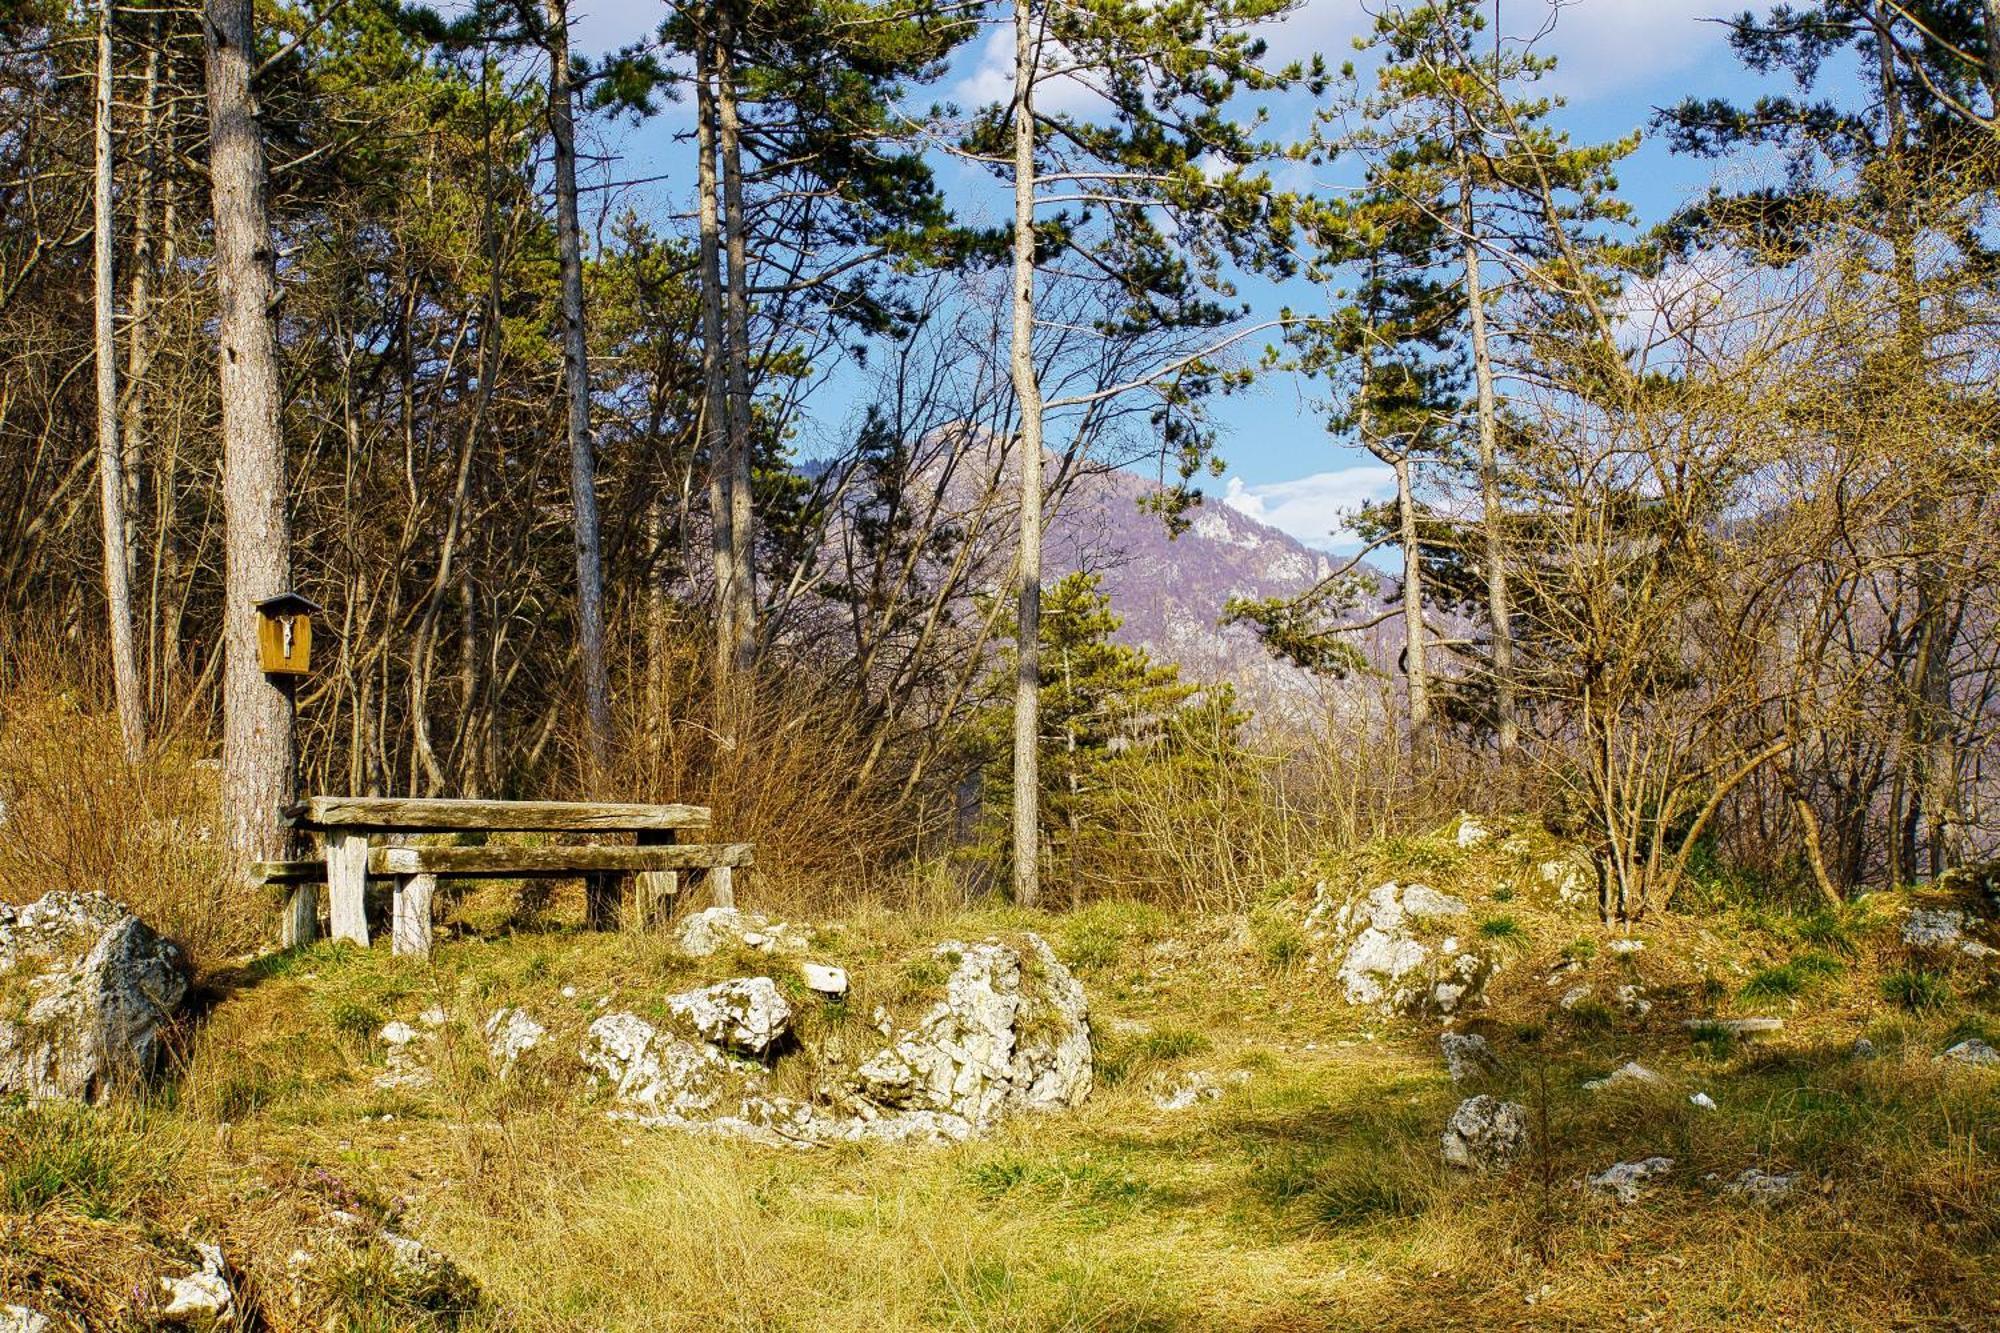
1309 1196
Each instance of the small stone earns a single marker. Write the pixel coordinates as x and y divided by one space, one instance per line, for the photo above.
1628 1073
1863 1049
881 1020
1484 1134
824 979
1632 999
569 992
1187 1090
1626 948
1761 1186
1574 996
1702 1100
1471 833
203 1296
434 1017
1466 1055
397 1033
1972 1052
20 1319
1627 1181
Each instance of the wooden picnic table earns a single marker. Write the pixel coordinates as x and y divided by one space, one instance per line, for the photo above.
363 838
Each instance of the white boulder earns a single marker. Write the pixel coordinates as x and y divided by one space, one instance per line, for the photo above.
747 1014
1012 1033
510 1034
825 980
86 988
1484 1134
1388 959
20 1319
654 1073
202 1298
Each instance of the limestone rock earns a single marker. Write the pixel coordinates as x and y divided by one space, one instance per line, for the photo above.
1471 833
1943 929
403 1067
1186 1090
1701 1101
1972 1052
1762 1186
1632 999
1628 1181
1466 1055
20 1319
1485 1134
1012 1033
1574 996
86 987
202 1298
747 1014
1863 1049
1629 1074
651 1072
1388 961
714 929
1573 882
825 980
511 1034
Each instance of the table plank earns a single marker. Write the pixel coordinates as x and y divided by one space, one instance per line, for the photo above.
435 813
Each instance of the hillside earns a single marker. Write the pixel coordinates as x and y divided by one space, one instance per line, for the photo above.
1172 591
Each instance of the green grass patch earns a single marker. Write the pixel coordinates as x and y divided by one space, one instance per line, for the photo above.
1917 990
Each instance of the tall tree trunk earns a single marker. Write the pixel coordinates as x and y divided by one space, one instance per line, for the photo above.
138 356
1416 663
257 743
110 461
1028 396
715 398
1506 721
576 374
742 519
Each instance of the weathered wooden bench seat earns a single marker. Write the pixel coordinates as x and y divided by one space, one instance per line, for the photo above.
645 875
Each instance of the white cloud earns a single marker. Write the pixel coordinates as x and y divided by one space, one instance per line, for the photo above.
1312 509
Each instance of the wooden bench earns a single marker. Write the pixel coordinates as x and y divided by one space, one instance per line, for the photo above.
644 875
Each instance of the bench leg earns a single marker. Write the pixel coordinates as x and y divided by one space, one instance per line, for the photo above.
347 884
410 933
600 900
301 921
722 886
652 895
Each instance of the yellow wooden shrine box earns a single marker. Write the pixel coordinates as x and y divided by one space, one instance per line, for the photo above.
285 634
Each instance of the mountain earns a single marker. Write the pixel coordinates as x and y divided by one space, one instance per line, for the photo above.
1172 591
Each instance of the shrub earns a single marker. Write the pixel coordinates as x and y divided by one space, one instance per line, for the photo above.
1917 990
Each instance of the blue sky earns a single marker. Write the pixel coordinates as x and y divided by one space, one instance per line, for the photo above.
1619 60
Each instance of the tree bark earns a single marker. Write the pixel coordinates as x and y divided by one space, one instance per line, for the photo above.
576 374
715 401
742 519
1416 666
1506 722
1028 397
110 461
257 743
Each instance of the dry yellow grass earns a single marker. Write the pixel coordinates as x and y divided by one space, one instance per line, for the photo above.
1309 1196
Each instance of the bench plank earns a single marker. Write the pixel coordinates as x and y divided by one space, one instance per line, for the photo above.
501 860
411 812
389 862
